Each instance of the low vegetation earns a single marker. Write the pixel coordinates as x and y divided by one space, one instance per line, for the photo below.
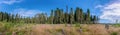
56 29
15 29
86 29
114 33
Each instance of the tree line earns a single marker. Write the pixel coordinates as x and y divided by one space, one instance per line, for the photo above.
57 16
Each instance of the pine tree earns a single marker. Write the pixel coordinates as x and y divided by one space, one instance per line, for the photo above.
51 16
66 17
12 18
57 16
1 16
77 14
88 16
71 16
17 18
81 16
40 18
61 16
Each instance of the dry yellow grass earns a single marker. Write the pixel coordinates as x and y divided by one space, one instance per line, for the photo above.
61 29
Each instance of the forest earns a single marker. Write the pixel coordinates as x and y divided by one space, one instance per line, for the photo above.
57 16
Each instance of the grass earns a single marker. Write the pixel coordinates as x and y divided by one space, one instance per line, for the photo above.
116 25
87 29
18 28
56 29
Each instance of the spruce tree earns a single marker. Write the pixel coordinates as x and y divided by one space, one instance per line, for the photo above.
71 15
88 16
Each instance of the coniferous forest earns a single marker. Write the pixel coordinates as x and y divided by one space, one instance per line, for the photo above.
57 16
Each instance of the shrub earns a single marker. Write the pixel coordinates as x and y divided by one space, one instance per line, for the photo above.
114 33
77 25
8 28
116 25
59 30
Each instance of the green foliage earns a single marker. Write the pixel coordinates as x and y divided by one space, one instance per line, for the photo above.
114 33
88 15
6 27
59 30
116 25
57 16
19 28
77 25
71 16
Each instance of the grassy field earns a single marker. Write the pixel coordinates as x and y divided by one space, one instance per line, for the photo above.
87 29
57 29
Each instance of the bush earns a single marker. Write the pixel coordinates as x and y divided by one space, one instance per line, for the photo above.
59 30
116 25
114 33
77 25
18 28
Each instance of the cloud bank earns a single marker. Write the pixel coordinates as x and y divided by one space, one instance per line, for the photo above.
25 12
9 2
110 11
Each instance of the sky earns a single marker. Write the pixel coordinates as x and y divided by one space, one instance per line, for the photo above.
107 10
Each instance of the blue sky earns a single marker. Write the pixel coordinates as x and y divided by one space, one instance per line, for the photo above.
31 7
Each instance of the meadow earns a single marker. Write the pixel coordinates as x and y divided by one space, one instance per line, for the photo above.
57 29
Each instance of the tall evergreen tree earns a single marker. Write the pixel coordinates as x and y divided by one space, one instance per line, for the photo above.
57 16
81 16
88 16
41 18
17 18
66 17
51 16
78 15
1 16
71 15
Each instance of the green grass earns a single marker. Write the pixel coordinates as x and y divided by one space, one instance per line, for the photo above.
8 28
116 25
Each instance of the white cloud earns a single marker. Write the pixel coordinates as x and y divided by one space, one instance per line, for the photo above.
25 12
99 6
111 11
9 2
